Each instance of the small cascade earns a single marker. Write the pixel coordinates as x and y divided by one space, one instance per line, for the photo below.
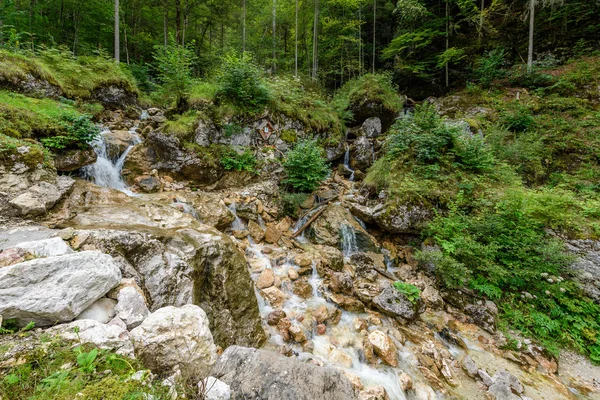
106 172
349 244
347 162
303 220
186 208
237 224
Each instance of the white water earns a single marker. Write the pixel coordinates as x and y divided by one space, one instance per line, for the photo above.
347 162
105 171
349 245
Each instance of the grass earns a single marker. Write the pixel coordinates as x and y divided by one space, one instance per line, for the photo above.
11 152
77 77
182 126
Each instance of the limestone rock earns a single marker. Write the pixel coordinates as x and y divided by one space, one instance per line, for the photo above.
256 232
104 336
272 235
263 375
375 393
102 310
362 155
384 347
41 197
265 279
131 307
274 296
148 184
396 304
71 160
372 127
55 289
347 303
46 247
176 337
214 389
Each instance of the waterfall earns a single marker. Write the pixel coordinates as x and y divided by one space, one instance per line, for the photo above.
347 162
349 245
237 224
106 172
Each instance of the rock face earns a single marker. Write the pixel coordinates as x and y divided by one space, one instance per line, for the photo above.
41 197
45 247
263 375
176 337
587 267
72 160
114 97
55 289
396 304
199 266
363 154
394 218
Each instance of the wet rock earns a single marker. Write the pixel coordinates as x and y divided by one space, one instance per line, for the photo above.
258 375
486 379
131 307
148 183
406 382
256 232
213 212
501 391
297 334
293 274
303 289
341 282
396 304
509 379
275 316
55 289
117 141
176 337
274 296
321 329
347 303
363 154
469 366
265 279
337 356
71 160
272 235
104 336
354 380
372 127
330 257
375 393
384 347
102 310
41 197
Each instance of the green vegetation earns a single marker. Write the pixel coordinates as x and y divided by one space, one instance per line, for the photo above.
76 77
290 203
28 152
182 126
233 160
411 292
305 166
173 65
370 88
57 370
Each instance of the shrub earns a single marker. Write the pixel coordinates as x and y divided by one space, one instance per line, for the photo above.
173 64
232 160
490 67
240 83
305 166
519 119
79 132
183 126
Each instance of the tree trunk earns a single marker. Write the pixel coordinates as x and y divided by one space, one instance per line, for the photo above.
178 21
274 37
481 20
374 31
531 25
165 25
296 50
447 43
243 27
117 39
315 42
360 47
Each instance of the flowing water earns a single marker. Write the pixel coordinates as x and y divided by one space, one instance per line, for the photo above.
105 171
347 162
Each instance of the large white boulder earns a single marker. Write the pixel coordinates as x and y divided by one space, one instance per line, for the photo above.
131 307
46 247
55 289
176 337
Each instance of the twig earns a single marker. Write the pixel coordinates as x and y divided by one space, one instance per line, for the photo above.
310 221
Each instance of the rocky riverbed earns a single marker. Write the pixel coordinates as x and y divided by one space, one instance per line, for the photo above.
212 280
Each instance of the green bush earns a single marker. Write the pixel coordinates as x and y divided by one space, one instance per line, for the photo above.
79 132
519 119
503 253
305 166
240 83
490 67
232 160
173 64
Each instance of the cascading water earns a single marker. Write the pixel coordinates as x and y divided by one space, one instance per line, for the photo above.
105 171
347 162
349 244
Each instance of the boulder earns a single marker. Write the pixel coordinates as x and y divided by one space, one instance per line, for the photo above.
104 336
46 247
372 127
374 393
256 232
148 183
131 307
115 97
263 375
394 218
102 310
117 141
394 303
55 289
265 279
384 347
586 268
71 160
363 154
213 389
176 338
41 197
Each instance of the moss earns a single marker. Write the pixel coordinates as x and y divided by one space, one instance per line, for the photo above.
202 94
182 126
210 155
289 136
77 77
11 152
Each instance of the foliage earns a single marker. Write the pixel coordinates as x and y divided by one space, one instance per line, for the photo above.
411 292
201 94
503 253
240 82
31 154
173 65
244 161
183 125
79 132
519 119
305 166
490 67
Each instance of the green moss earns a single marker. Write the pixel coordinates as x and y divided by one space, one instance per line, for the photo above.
11 153
202 94
77 77
182 126
289 136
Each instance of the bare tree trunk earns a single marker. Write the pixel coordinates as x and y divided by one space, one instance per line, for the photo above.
178 21
165 25
531 26
117 39
374 31
447 43
274 37
243 27
296 51
360 47
315 42
481 20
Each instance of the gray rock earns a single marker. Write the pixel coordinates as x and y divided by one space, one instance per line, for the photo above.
485 377
55 289
391 302
263 375
482 316
115 97
469 366
362 155
71 160
501 391
586 268
214 389
104 336
46 247
372 127
131 307
509 379
102 310
176 338
40 198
